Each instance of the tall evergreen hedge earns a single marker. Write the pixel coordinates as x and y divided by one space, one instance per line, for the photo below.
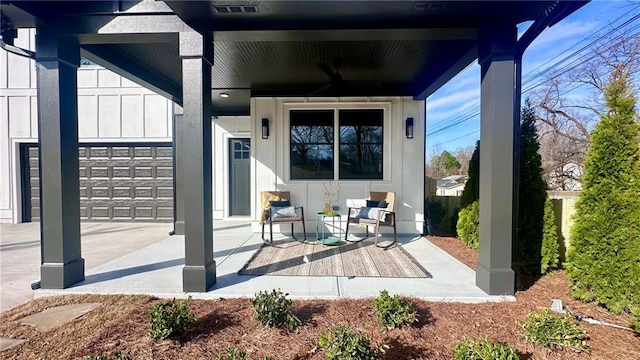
604 255
532 193
550 247
471 190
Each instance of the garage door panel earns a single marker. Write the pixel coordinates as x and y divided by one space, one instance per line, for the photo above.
122 192
99 172
118 183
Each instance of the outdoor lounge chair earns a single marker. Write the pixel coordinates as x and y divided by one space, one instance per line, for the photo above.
278 210
378 212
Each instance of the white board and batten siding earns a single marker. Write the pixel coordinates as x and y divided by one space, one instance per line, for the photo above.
403 159
111 109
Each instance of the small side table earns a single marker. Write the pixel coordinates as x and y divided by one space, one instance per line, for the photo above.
327 237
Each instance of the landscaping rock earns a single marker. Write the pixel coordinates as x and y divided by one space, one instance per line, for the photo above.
8 343
55 317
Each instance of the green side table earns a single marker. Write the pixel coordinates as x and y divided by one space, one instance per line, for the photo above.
328 237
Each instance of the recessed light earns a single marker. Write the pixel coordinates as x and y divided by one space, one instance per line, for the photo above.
224 95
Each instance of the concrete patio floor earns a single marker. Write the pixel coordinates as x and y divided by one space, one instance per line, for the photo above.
100 244
156 269
140 258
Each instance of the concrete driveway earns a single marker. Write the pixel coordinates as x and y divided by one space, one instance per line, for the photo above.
101 243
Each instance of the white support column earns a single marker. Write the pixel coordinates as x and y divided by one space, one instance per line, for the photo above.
496 57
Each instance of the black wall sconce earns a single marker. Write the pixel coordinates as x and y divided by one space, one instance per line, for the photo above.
265 128
409 128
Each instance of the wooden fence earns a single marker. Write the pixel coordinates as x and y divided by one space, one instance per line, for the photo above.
563 206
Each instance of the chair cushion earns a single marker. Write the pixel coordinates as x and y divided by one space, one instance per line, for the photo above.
376 204
371 213
281 212
281 203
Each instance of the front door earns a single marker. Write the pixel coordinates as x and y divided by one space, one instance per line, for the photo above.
239 171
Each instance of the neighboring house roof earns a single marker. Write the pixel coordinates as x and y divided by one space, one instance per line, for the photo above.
451 181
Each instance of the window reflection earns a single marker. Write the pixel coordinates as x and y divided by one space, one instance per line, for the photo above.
311 144
361 144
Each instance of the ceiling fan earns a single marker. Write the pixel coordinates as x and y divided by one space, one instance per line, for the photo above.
337 82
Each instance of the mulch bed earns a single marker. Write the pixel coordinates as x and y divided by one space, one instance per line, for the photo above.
122 324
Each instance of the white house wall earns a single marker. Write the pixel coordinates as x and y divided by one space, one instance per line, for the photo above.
225 128
110 109
403 159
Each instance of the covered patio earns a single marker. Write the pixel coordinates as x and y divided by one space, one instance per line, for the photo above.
272 58
156 270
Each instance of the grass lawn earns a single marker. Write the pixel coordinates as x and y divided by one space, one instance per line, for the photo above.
122 324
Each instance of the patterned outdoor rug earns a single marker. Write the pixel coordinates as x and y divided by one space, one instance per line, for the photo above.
294 258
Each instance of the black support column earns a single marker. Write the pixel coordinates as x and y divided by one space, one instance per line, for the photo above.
178 172
57 63
496 57
196 52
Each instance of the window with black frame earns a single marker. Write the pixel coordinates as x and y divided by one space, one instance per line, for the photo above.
311 144
361 143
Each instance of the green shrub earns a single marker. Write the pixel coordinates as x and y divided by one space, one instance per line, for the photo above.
394 312
469 225
635 318
550 246
342 344
471 192
274 309
436 212
603 261
234 354
453 221
170 319
555 331
116 356
483 349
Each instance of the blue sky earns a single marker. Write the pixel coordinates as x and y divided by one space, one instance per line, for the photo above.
458 101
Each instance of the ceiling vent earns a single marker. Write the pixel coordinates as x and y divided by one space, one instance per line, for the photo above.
235 9
428 6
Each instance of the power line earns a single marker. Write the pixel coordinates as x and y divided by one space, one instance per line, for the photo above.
474 109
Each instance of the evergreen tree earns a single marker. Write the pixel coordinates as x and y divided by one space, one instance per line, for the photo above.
532 193
471 190
604 254
550 247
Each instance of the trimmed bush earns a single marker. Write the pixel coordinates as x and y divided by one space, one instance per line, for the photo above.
555 331
436 213
469 225
471 192
343 344
550 246
170 319
483 349
393 312
274 309
603 261
234 354
116 356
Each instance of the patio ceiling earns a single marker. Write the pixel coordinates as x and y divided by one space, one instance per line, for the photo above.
274 48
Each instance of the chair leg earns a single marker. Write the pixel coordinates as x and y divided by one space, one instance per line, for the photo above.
346 231
270 233
266 241
304 230
292 234
395 238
